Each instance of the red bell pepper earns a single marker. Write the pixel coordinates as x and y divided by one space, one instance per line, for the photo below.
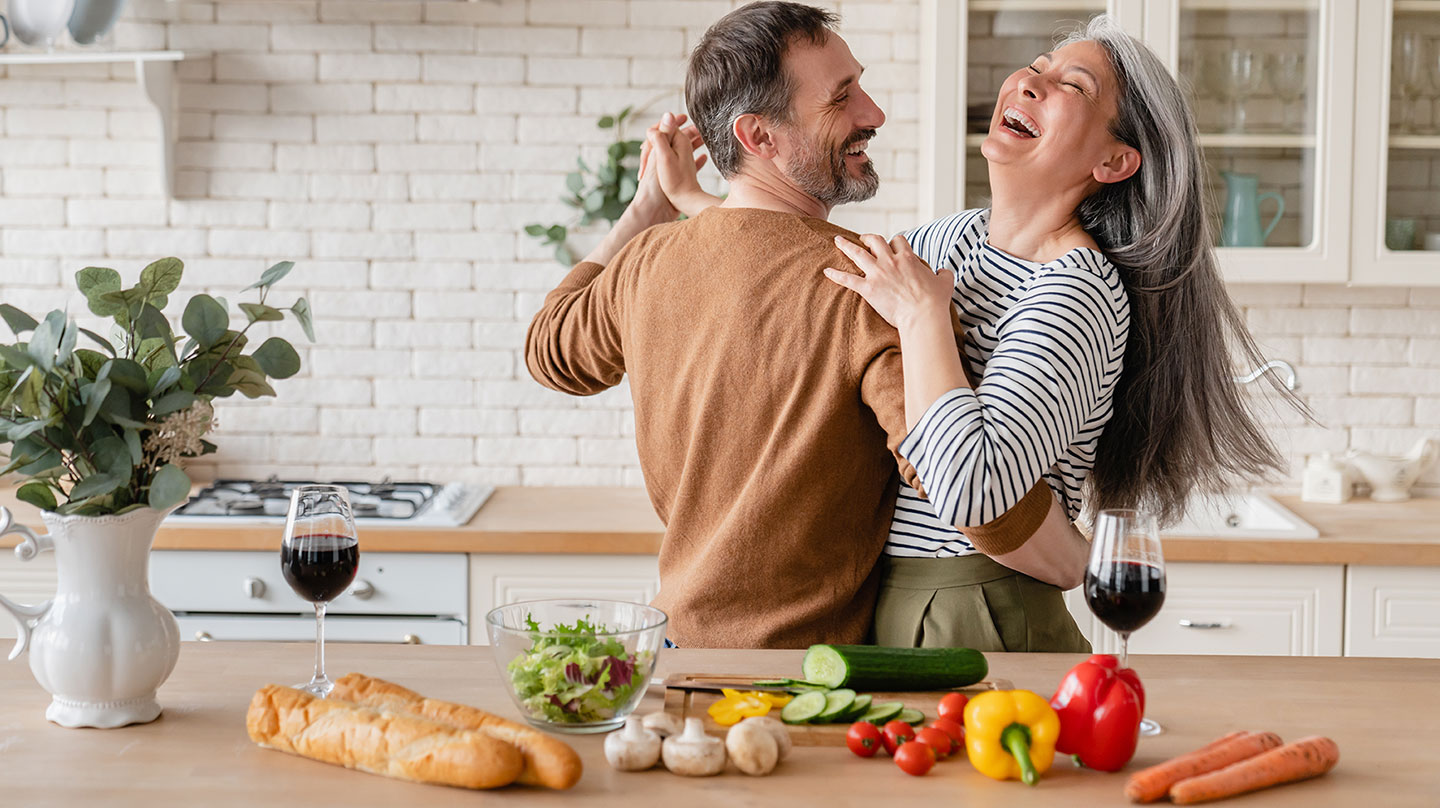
1100 706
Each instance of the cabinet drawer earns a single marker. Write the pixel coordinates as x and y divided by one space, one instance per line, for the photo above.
1392 612
1235 609
497 580
398 630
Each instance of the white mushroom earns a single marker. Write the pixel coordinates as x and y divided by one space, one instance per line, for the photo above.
692 752
777 729
752 748
664 724
633 748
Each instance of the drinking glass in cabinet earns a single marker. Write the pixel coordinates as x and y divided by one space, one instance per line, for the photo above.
1288 79
1235 76
1410 79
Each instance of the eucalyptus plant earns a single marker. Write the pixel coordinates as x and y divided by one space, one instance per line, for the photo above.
106 429
600 193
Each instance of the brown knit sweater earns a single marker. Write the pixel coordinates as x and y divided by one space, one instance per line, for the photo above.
769 404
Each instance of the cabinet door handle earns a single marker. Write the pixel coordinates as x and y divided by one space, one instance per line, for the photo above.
411 639
1204 625
363 589
204 636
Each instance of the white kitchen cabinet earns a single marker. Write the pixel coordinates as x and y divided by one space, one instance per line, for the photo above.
496 580
1271 609
1392 612
24 582
1331 148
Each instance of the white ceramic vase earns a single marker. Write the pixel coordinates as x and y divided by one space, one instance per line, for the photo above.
39 22
102 645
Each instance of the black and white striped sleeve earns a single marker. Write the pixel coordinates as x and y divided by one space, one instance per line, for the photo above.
1057 357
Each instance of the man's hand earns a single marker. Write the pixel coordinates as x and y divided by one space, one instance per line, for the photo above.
670 148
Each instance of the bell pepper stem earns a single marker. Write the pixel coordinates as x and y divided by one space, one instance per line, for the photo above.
1016 740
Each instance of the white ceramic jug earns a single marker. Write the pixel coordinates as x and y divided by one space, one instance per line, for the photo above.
40 22
1390 478
102 645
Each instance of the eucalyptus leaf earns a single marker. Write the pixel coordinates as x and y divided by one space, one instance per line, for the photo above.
575 181
132 442
173 402
24 429
606 122
166 379
169 487
95 283
161 277
46 339
31 389
91 362
15 358
129 374
95 485
260 313
557 233
628 187
271 275
45 461
250 383
536 230
151 324
595 200
616 153
205 320
38 494
301 310
112 456
99 340
17 320
94 395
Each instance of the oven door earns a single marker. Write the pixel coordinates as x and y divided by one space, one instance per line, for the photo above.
338 628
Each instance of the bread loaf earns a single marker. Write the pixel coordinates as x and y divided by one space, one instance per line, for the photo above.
549 762
401 746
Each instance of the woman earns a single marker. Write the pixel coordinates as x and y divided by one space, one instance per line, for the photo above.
1097 323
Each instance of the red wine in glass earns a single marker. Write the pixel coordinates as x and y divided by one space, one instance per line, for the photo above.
1125 578
319 557
320 566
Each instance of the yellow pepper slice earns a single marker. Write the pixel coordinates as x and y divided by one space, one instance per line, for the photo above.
1011 734
777 699
737 705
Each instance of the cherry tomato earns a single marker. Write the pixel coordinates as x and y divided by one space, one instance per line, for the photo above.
864 739
936 739
896 733
914 757
952 728
953 706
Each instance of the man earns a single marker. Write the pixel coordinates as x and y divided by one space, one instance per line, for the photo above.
769 405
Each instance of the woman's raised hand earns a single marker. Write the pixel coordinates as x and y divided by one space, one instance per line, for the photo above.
670 146
895 281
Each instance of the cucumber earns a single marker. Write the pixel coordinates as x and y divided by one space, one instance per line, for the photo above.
911 716
803 707
771 683
859 708
837 703
880 713
870 667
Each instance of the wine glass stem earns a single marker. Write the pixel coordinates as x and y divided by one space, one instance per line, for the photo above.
319 642
1124 649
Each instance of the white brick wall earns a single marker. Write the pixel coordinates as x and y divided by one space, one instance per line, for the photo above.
394 149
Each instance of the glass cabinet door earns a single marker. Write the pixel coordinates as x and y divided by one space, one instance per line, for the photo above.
1271 86
968 51
1397 136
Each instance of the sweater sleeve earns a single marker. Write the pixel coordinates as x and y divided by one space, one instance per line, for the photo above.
574 343
979 451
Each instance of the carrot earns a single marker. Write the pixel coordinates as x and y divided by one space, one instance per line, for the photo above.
1307 757
1149 785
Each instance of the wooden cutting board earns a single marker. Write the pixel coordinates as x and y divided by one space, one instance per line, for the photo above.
684 701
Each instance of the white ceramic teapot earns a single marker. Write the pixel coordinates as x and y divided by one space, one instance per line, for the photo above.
1390 478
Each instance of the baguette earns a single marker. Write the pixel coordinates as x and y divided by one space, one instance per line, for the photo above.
399 746
549 762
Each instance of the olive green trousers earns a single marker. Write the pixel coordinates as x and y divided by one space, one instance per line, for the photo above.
971 602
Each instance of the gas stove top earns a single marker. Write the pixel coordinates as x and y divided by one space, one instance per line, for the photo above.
384 503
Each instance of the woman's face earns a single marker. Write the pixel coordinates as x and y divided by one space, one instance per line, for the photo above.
1052 117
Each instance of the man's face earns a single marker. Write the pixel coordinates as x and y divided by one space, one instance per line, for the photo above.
831 123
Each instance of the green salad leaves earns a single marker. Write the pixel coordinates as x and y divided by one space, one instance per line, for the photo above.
572 676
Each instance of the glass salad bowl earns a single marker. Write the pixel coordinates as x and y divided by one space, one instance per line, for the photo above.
576 665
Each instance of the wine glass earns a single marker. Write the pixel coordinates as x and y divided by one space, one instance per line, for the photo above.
319 556
1235 75
1287 78
1125 578
1409 66
1433 62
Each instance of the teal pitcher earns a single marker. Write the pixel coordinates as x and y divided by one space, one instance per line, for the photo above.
1241 225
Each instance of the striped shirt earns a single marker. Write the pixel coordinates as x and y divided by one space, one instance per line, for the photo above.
1046 341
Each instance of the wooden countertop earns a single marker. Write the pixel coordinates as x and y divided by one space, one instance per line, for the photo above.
1382 713
621 521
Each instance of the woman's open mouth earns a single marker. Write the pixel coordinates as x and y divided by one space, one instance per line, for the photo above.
1015 122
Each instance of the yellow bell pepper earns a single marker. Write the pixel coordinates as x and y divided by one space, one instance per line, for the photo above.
737 705
1011 734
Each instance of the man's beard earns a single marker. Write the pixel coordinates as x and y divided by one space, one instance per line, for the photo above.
821 172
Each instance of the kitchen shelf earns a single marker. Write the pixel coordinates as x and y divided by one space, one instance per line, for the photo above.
1096 6
1415 141
154 72
1432 6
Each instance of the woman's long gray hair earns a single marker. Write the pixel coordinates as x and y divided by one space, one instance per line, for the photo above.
1180 423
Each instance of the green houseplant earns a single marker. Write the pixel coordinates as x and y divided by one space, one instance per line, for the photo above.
599 193
100 434
103 429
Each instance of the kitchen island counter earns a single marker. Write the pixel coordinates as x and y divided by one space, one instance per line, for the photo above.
621 521
1382 713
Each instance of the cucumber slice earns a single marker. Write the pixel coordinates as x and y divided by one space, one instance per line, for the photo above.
771 683
825 665
837 703
878 714
911 716
803 707
859 708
